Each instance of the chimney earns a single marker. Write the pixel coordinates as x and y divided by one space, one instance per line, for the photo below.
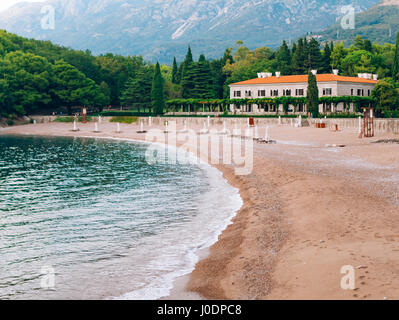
278 74
314 72
375 77
264 75
259 75
269 74
335 72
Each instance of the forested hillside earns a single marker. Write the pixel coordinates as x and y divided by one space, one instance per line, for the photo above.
39 77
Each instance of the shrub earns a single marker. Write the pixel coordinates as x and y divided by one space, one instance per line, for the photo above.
10 122
343 115
71 119
117 113
128 120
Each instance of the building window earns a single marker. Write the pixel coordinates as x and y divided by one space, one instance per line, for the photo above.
351 92
369 92
274 93
261 93
327 92
299 92
287 92
248 93
237 93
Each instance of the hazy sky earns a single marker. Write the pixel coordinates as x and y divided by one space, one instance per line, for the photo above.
4 4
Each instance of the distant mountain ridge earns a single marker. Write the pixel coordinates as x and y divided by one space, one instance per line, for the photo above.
163 29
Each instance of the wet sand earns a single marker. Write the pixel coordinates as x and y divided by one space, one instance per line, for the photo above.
309 209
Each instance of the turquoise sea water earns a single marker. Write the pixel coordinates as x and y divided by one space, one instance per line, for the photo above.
105 221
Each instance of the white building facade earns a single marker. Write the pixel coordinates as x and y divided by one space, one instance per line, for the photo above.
333 85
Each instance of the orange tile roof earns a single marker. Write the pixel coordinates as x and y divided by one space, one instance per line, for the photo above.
304 78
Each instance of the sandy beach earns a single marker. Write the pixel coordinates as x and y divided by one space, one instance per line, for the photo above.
309 209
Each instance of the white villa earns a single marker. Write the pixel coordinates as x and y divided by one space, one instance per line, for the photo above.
269 86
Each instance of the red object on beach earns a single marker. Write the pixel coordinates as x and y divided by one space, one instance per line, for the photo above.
251 122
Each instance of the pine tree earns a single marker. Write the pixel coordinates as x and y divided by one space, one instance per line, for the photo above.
203 82
314 59
326 65
368 46
298 58
157 93
174 71
293 49
284 59
312 98
137 89
187 61
187 75
395 66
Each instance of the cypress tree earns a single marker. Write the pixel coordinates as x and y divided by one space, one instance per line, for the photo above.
312 98
157 95
174 71
395 66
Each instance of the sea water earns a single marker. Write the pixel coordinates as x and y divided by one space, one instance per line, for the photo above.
84 218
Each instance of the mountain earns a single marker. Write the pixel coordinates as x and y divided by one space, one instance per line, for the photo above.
160 29
379 24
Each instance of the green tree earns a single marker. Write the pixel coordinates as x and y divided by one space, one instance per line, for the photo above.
26 76
299 57
314 59
174 71
338 55
70 87
386 96
312 98
5 98
358 61
157 92
137 90
395 65
187 75
284 61
203 82
326 64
